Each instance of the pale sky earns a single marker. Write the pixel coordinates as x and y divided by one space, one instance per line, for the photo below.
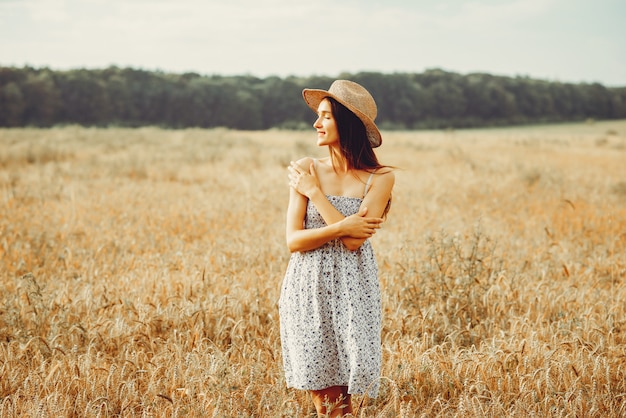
557 40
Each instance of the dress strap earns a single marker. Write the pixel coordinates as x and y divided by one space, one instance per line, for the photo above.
367 185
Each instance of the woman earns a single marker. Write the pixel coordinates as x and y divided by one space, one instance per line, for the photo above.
330 309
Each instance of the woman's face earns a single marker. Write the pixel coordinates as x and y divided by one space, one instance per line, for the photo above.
325 125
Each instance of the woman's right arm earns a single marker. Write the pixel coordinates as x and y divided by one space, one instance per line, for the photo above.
301 239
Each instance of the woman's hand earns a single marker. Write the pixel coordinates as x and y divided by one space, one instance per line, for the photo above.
304 182
359 226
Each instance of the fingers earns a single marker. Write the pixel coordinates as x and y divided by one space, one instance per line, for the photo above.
293 166
370 230
295 173
374 226
369 227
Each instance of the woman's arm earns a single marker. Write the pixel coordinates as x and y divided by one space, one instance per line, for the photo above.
355 229
375 202
299 238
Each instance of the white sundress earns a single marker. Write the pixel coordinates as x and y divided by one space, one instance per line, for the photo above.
330 312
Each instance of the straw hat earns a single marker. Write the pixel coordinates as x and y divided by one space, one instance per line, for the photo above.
353 96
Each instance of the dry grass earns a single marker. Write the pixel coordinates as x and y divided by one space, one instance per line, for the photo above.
140 271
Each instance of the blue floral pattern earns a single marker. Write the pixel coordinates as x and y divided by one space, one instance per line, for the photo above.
330 313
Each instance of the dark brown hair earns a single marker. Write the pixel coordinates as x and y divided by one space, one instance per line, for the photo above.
353 142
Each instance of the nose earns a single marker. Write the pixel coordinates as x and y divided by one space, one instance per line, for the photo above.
317 123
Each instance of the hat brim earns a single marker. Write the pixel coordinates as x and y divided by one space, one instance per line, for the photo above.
313 97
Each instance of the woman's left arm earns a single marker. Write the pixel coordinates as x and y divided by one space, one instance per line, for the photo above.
375 201
373 204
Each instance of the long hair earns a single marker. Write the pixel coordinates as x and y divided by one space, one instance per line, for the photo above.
353 142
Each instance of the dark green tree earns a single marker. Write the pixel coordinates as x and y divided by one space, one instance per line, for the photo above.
432 99
12 105
446 100
488 98
42 99
84 98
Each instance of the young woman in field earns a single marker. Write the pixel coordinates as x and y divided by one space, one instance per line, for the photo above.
330 307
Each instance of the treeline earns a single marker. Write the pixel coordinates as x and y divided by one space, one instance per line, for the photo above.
114 96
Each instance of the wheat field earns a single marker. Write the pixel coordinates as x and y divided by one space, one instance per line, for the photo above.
140 272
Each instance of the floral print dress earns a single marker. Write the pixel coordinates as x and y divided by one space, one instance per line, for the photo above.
330 313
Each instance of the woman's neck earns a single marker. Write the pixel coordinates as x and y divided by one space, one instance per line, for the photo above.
338 161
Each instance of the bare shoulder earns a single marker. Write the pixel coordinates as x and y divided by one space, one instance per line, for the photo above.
385 176
382 183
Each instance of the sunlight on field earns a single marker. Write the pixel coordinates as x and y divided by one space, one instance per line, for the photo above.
140 272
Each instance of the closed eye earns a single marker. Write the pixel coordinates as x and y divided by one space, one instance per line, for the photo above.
325 114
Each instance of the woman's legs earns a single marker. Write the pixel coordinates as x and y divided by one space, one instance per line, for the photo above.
336 398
